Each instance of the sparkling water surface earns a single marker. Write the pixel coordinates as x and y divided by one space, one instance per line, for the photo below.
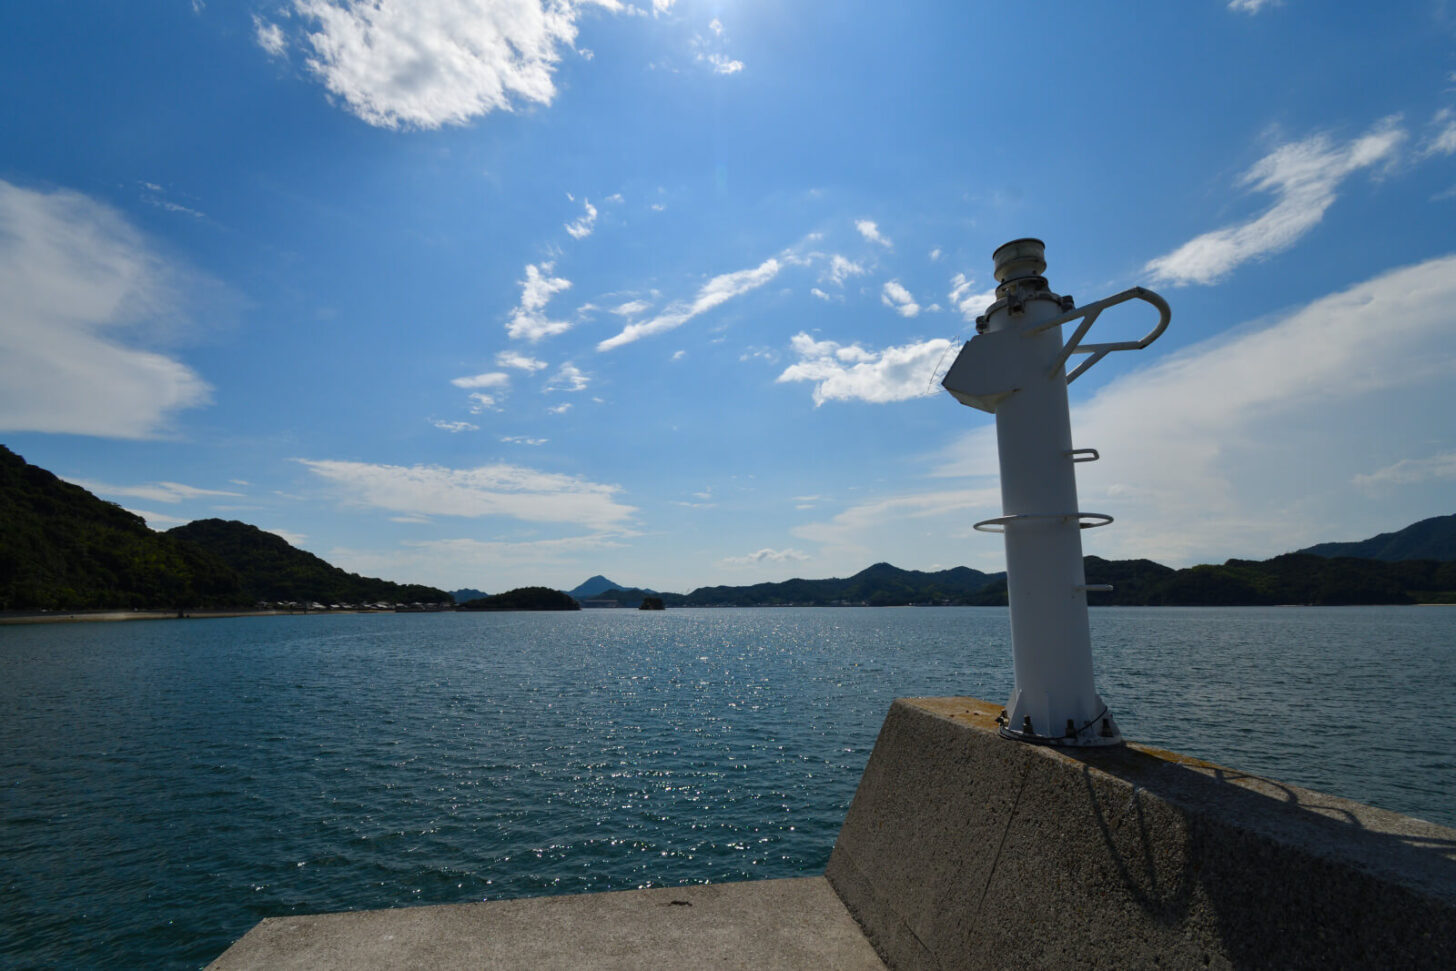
165 785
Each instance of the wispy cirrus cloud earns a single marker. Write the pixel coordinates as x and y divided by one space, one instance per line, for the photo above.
1303 177
511 491
428 63
169 492
519 361
454 427
714 293
1251 6
1433 468
582 226
1441 139
851 373
80 287
492 379
767 555
528 320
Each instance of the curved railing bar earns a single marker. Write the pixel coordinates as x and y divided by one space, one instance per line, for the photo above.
986 525
1089 315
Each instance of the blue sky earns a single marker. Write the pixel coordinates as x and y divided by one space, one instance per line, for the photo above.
494 293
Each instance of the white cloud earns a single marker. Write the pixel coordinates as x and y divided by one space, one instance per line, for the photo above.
582 227
842 268
870 230
715 292
767 555
894 295
631 308
269 36
1303 177
1442 141
851 373
171 492
512 491
825 296
1256 443
560 409
1409 472
493 379
454 426
962 296
489 564
884 527
721 63
568 377
716 26
76 277
521 362
935 255
1251 6
158 520
528 320
427 63
480 402
289 537
523 440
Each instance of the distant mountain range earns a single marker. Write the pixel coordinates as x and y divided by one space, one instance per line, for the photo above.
1415 565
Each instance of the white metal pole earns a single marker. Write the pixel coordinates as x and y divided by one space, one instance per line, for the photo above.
1015 368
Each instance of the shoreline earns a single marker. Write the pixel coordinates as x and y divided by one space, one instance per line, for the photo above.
110 616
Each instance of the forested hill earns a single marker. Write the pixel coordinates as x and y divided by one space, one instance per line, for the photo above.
1429 539
270 569
1294 578
878 585
61 548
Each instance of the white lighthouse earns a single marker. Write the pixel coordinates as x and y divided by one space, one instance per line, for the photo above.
1016 368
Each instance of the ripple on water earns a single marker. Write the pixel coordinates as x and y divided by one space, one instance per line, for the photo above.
168 785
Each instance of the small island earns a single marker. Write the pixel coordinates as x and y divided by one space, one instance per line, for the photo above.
524 598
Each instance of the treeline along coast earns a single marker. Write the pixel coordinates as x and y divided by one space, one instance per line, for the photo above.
63 549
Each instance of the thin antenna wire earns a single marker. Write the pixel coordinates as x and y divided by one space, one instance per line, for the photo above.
929 385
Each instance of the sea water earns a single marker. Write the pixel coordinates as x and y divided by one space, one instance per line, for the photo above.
165 785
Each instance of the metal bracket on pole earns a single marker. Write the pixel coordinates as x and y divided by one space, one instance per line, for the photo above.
1089 316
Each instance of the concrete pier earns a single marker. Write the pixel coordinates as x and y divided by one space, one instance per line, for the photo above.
965 850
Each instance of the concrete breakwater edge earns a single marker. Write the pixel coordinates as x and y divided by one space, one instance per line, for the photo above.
962 849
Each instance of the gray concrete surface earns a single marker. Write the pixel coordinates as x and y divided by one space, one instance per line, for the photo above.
770 924
964 850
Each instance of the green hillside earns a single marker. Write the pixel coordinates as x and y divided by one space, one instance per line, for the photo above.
1429 539
272 570
61 548
525 598
878 585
